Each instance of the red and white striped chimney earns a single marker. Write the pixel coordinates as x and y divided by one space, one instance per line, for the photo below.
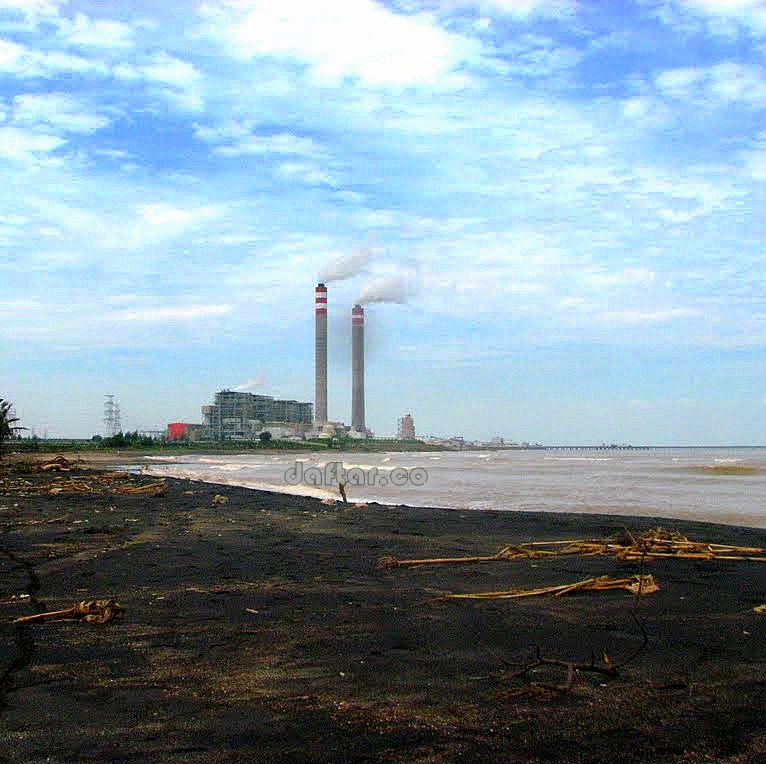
320 355
357 368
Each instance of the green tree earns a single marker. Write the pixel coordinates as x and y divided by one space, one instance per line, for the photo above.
265 437
8 427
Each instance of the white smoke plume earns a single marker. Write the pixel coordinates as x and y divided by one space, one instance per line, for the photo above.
395 288
248 387
345 266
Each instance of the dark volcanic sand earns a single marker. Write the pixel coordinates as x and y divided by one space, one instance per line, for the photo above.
344 663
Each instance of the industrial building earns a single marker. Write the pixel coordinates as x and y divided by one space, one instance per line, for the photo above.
184 431
243 416
406 428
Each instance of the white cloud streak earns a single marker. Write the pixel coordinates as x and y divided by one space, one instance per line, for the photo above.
336 39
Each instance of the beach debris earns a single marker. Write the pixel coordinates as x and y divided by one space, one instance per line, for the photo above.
342 489
70 486
329 502
95 484
360 505
506 553
634 584
88 611
760 609
654 544
220 499
59 464
148 489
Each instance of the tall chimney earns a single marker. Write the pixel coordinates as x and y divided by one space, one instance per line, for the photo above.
320 355
357 368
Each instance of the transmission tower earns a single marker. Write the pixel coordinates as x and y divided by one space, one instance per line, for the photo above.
111 416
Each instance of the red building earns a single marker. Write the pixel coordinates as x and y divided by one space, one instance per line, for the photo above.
177 431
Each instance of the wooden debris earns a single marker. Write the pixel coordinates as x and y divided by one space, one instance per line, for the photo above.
149 489
96 484
59 464
220 499
654 544
506 553
92 611
633 584
329 502
760 609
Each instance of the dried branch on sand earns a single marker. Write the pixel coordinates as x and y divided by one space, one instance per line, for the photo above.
92 611
633 584
59 464
653 544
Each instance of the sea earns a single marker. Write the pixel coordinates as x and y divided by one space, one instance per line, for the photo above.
673 483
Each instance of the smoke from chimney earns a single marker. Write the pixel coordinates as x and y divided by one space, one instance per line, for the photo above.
345 266
394 288
250 385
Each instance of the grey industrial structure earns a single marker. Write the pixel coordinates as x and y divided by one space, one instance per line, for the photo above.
320 355
406 429
357 369
243 416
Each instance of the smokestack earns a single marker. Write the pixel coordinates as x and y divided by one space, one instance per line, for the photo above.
357 369
320 355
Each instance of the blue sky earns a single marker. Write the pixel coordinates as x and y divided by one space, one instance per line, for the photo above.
569 193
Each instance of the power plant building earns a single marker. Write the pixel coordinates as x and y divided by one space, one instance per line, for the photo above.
243 416
406 429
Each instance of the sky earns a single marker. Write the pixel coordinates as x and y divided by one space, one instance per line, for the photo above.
568 197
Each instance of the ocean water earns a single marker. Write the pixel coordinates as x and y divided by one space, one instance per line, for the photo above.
667 483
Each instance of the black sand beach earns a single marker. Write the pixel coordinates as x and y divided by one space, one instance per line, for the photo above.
260 630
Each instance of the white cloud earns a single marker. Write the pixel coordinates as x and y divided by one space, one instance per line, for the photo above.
86 32
307 173
631 277
716 85
185 313
170 70
748 13
22 145
22 61
161 214
176 79
164 214
523 9
32 7
678 81
56 111
336 39
532 55
245 142
755 158
650 316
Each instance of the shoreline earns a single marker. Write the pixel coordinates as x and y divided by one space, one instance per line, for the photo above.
725 519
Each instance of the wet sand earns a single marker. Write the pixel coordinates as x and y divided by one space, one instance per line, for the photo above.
261 631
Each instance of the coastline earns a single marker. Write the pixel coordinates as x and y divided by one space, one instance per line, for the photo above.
261 629
478 492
